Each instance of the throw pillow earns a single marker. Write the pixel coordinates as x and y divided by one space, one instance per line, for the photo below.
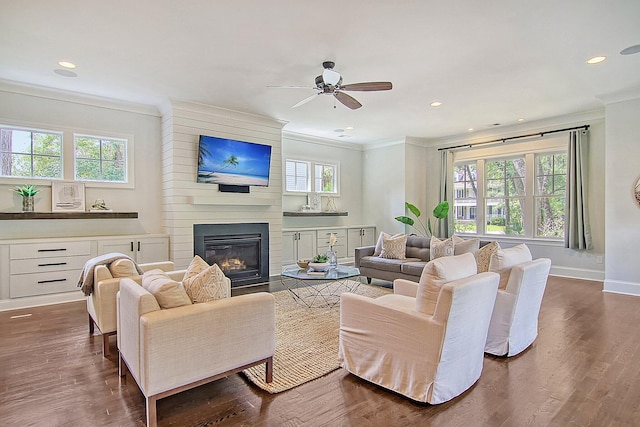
436 273
204 282
123 268
503 260
483 256
378 250
394 247
462 246
167 292
439 248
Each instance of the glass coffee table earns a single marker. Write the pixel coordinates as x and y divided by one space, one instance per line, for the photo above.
320 289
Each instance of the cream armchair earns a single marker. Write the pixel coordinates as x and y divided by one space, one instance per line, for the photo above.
428 358
101 304
514 323
168 351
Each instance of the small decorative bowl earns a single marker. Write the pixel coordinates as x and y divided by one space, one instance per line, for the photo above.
303 263
319 266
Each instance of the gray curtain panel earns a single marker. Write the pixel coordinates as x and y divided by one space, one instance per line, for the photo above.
577 231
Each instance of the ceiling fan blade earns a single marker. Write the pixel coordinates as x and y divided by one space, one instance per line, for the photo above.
347 100
304 101
368 86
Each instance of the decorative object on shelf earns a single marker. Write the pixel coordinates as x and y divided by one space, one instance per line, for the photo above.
67 196
331 205
332 256
27 192
313 199
99 206
636 191
303 263
305 208
440 211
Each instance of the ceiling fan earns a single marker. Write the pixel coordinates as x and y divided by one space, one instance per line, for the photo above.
330 83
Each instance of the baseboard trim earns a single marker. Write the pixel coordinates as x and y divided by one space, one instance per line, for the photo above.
37 301
621 287
577 273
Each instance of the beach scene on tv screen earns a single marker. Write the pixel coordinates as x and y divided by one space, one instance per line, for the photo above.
229 162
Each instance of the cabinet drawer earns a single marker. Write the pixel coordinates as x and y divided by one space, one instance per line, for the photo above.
42 265
49 249
24 285
323 236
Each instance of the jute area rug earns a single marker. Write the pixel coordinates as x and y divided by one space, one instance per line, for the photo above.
306 342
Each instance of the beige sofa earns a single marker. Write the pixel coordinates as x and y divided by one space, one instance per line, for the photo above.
171 350
101 304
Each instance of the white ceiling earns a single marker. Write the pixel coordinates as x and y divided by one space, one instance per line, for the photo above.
488 61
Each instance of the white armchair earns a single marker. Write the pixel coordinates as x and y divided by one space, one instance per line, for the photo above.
101 304
168 351
428 358
514 323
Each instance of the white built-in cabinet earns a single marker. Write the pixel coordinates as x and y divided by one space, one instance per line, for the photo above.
37 267
305 243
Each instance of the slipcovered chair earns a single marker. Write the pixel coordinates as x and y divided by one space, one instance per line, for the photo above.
514 323
170 350
428 345
101 303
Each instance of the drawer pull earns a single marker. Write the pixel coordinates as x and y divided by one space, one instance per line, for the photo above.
51 281
52 250
52 264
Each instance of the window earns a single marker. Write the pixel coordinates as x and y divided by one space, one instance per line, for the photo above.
305 176
522 195
100 159
31 153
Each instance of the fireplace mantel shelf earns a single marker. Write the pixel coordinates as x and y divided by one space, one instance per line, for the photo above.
231 201
298 213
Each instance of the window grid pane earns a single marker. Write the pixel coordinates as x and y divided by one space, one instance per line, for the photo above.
296 176
100 159
30 153
550 190
465 201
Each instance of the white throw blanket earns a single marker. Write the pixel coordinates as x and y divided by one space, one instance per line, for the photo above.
86 277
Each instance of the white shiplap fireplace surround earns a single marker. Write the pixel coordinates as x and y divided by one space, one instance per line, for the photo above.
185 202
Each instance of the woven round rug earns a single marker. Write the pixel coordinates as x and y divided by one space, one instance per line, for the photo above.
306 342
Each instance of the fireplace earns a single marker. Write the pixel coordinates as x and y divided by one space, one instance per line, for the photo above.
240 250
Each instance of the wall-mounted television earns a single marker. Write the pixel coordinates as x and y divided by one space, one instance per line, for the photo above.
229 162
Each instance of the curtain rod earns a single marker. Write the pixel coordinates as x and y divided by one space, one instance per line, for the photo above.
541 134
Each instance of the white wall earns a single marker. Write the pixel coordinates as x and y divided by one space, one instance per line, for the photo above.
622 213
186 202
349 158
47 109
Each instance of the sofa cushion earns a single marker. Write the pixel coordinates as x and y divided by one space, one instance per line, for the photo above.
483 256
378 250
438 272
384 264
123 268
462 246
503 260
204 282
418 247
441 248
413 268
167 292
394 247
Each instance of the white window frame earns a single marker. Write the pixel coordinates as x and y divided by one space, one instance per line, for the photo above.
36 130
312 178
101 160
528 150
68 155
308 175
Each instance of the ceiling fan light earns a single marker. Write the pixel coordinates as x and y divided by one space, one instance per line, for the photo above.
330 77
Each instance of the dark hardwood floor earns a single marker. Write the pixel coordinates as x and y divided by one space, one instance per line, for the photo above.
582 370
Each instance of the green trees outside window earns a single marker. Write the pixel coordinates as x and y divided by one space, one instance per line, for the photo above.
100 159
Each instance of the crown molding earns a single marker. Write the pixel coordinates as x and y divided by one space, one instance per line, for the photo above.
294 136
621 96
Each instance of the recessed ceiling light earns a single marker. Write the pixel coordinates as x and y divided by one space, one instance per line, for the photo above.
630 50
521 119
470 129
338 130
65 73
349 128
596 59
66 64
436 104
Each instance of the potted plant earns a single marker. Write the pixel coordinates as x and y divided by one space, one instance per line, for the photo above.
27 192
440 212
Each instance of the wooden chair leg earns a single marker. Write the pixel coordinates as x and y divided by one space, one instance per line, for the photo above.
151 412
269 370
91 325
122 366
105 345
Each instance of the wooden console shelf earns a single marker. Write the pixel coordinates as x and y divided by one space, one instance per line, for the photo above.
66 215
315 213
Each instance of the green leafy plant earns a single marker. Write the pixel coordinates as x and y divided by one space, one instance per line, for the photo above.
27 190
320 258
439 212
